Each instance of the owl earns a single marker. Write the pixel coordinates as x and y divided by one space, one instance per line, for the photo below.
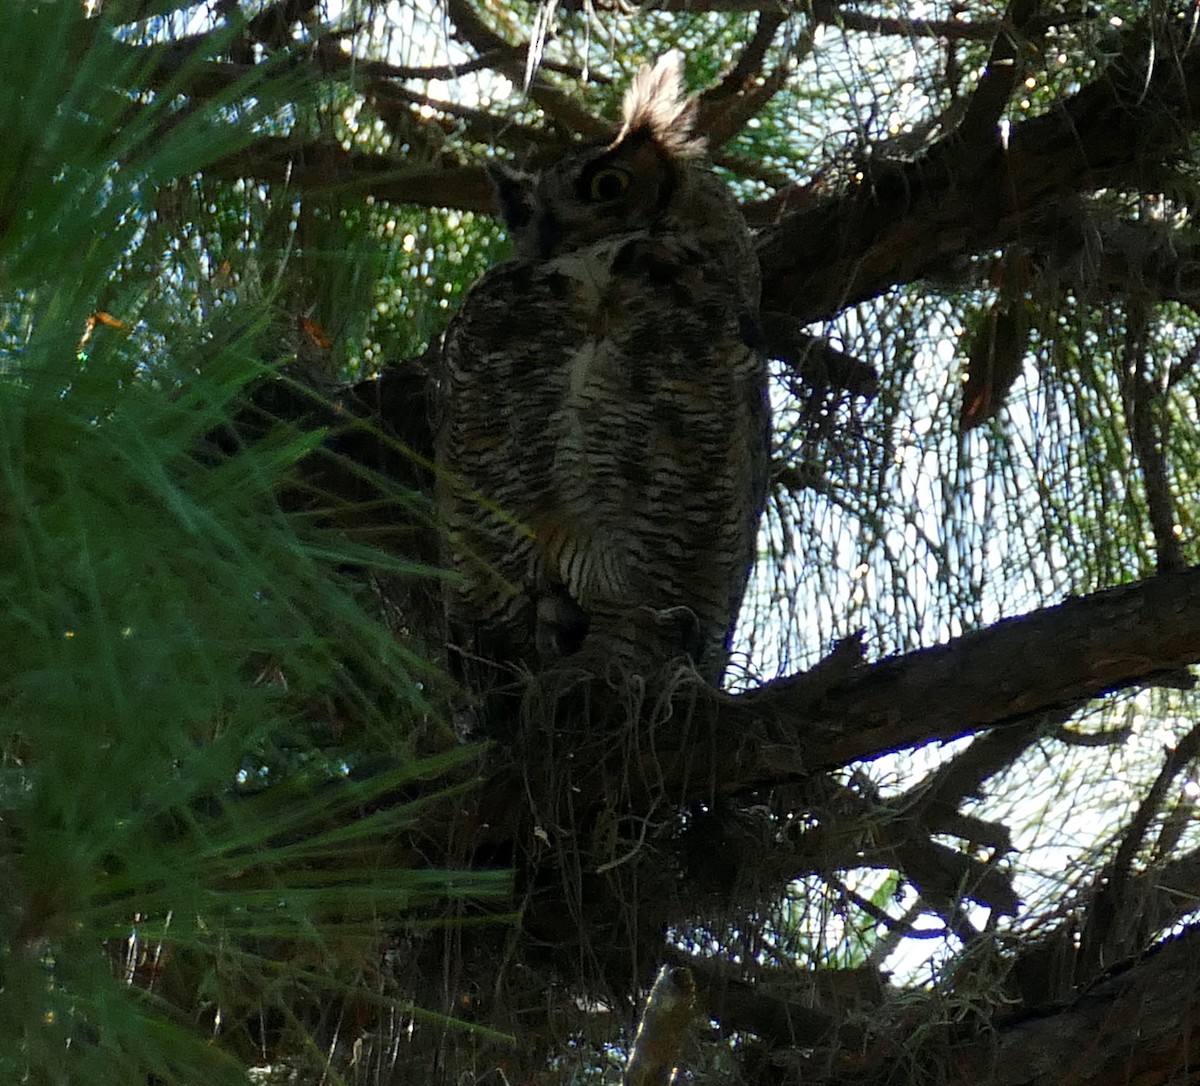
602 451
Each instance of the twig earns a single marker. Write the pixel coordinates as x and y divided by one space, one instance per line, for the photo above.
557 105
1116 916
1139 395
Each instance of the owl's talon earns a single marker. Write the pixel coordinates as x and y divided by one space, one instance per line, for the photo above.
561 627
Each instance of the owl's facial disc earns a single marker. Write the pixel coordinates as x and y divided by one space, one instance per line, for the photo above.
625 186
606 190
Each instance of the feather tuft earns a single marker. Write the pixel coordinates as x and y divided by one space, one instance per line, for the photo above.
656 102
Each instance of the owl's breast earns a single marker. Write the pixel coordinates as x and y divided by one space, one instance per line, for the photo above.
648 307
589 273
596 307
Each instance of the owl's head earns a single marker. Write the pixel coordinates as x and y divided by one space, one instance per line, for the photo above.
641 178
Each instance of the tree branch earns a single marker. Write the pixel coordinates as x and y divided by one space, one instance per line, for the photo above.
726 107
316 166
742 76
1145 425
1005 674
1116 918
558 106
979 125
816 360
1140 1023
903 221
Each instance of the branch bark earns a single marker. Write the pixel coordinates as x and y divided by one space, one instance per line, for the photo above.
1017 672
902 221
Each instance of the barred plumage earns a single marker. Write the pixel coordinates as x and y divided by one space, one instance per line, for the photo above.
603 447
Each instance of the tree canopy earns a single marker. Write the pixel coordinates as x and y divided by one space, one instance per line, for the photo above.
940 823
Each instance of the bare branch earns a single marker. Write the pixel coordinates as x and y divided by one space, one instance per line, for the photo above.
728 117
726 107
815 359
316 166
743 75
935 800
1116 919
1145 424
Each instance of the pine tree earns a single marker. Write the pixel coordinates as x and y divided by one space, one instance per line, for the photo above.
940 825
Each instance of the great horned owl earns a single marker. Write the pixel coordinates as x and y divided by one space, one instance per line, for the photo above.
602 451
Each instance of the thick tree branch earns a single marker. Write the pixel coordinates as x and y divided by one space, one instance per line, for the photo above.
316 166
1083 249
712 745
1047 970
1083 648
1140 1023
901 222
904 221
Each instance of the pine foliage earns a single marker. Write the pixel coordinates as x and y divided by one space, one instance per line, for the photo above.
193 678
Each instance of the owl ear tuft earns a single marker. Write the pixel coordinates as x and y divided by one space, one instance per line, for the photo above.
514 195
656 102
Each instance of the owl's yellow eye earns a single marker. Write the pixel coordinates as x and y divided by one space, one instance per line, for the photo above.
608 183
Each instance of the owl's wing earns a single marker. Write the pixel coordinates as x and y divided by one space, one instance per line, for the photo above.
498 385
